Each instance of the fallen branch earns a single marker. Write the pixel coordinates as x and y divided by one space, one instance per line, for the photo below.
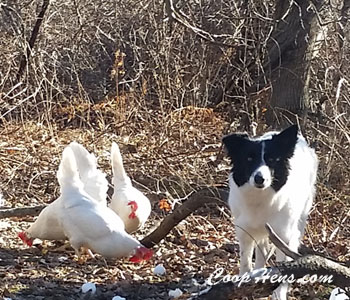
320 266
21 211
252 286
311 263
328 270
195 201
280 244
256 284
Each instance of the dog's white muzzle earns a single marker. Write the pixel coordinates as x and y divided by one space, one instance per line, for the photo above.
261 177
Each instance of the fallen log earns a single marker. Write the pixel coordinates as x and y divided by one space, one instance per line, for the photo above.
21 211
195 201
258 283
312 263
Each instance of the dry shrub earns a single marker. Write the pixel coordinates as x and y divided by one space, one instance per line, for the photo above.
123 70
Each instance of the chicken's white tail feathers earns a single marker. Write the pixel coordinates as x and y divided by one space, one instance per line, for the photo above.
86 161
119 173
94 180
68 175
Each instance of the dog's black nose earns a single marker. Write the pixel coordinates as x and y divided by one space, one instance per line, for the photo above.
259 180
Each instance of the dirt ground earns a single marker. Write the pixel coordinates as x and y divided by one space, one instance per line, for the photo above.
168 157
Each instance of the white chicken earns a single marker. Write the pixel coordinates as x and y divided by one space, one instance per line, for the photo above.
132 206
90 224
47 226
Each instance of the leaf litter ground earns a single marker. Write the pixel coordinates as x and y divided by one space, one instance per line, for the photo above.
168 157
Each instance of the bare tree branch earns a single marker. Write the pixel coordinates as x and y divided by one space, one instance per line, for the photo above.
320 266
34 35
195 201
179 17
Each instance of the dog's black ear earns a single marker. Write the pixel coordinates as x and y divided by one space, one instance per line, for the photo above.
234 140
288 137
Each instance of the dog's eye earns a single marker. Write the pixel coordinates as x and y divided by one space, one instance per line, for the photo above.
271 159
249 158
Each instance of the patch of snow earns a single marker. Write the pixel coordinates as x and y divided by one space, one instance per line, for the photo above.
159 270
118 298
89 286
175 293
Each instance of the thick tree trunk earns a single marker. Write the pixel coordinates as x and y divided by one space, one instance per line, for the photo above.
344 31
287 62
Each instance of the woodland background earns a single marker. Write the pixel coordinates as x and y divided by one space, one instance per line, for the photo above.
166 80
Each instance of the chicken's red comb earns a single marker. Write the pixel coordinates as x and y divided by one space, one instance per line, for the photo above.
147 254
142 253
23 236
134 208
135 259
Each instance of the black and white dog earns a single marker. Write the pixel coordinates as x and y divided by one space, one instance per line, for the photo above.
272 181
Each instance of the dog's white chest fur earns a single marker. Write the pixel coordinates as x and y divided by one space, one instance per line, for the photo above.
253 207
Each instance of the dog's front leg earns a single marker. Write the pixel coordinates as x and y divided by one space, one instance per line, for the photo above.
261 253
282 291
246 248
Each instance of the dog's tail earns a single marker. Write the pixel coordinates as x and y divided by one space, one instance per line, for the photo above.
119 175
68 174
94 180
